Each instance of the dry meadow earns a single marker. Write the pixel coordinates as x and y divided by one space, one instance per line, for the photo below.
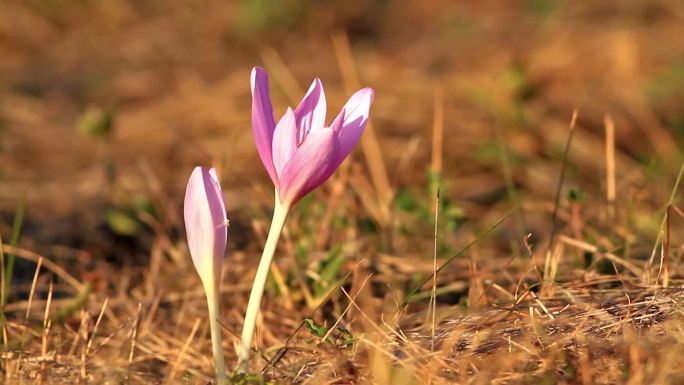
513 214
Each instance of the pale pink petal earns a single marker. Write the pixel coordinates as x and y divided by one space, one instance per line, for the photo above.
351 121
310 113
263 123
311 165
205 214
284 141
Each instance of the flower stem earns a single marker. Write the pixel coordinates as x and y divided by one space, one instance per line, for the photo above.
277 223
216 340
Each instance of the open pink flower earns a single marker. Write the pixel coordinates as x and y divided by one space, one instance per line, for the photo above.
300 152
205 219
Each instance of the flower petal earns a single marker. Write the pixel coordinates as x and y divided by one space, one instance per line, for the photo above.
284 141
311 165
310 113
263 123
205 214
351 121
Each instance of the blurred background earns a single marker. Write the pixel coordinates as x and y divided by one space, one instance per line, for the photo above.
106 106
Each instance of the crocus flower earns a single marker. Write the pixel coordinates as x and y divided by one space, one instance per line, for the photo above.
206 229
205 214
301 152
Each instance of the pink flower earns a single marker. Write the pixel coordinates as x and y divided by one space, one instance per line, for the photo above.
205 219
300 152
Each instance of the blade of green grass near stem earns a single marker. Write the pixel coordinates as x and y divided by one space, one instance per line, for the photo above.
664 220
556 203
3 320
75 303
513 196
467 247
16 231
433 297
333 263
561 178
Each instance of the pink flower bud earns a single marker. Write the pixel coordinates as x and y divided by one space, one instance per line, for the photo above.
205 219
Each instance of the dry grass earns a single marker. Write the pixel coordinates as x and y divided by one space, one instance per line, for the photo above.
541 278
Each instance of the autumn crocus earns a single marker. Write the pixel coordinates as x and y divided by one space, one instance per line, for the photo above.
299 153
206 228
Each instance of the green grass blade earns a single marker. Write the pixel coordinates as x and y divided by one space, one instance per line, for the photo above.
16 232
457 255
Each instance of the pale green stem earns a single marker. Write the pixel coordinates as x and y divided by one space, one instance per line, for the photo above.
216 340
277 223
